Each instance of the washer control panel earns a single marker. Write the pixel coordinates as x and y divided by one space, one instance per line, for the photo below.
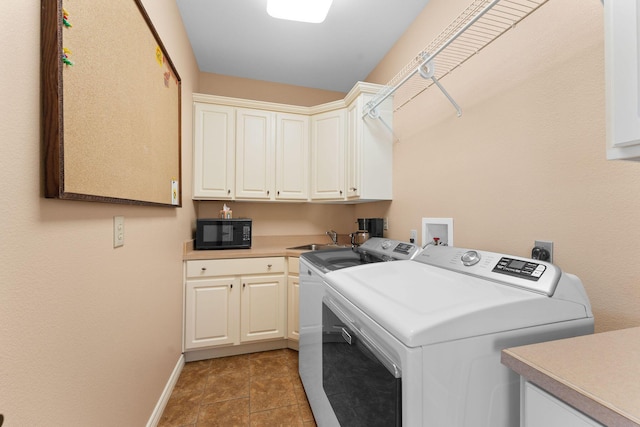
524 273
519 268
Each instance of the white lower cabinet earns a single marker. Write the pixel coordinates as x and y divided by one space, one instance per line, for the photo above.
540 409
263 313
293 295
233 301
211 315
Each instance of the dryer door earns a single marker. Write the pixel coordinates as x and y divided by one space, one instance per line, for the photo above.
362 383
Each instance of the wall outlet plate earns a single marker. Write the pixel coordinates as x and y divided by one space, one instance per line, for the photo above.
548 245
118 231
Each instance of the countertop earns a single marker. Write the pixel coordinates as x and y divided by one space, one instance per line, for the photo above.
597 374
261 246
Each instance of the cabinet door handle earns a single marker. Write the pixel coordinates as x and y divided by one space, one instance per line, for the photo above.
228 191
231 286
204 269
278 193
243 285
269 266
268 192
354 189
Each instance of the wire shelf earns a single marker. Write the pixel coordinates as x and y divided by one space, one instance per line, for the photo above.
474 29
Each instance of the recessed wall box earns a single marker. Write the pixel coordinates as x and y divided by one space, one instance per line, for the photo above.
437 231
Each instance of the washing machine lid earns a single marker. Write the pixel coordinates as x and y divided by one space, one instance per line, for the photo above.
421 304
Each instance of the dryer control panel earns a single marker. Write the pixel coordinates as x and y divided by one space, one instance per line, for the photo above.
528 274
389 249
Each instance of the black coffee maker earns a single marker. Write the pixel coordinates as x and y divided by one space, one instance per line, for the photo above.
374 226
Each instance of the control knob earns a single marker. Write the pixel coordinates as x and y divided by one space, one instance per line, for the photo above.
470 258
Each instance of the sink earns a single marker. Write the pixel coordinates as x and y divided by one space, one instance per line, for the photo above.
316 247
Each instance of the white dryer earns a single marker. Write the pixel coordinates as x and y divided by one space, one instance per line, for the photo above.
417 342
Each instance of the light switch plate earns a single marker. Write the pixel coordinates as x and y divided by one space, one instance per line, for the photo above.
118 231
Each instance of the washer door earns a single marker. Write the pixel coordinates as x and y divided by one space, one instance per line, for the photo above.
362 383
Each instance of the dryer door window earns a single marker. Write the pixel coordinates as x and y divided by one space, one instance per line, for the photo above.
362 385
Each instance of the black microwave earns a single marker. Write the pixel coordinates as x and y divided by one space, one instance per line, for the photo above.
221 233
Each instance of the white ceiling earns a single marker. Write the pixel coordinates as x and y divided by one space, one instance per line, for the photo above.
238 38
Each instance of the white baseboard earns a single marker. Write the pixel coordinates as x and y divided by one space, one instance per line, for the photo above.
166 393
233 350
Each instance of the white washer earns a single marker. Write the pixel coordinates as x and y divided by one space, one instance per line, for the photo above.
437 325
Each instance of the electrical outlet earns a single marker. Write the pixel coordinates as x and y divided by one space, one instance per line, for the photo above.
414 236
118 231
547 245
385 223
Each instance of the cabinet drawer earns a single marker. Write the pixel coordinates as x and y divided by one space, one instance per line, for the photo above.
294 265
234 266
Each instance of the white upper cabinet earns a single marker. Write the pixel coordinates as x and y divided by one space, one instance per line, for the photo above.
369 151
261 151
622 73
272 152
255 152
213 151
327 155
292 157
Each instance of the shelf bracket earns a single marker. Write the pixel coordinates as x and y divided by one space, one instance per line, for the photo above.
427 70
374 114
449 97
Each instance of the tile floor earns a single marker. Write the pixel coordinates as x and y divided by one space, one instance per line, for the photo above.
258 389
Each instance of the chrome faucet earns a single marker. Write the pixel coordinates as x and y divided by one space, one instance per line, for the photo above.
333 236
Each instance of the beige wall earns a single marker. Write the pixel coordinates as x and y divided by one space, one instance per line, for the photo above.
526 160
237 87
89 334
278 219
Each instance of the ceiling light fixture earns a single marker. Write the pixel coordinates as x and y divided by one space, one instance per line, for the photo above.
313 11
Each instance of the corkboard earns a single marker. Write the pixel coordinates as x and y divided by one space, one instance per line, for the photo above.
111 105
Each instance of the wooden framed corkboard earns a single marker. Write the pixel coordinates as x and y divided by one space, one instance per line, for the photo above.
111 105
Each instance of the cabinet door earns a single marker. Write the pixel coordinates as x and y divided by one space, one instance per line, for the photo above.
263 308
369 165
292 157
255 148
622 53
293 308
354 145
327 155
543 410
213 151
211 312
